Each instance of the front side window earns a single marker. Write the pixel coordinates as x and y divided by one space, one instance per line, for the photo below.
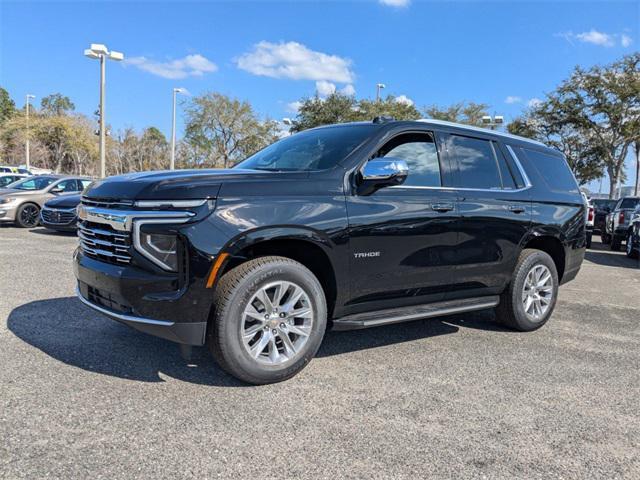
477 166
316 149
67 186
421 155
4 181
34 183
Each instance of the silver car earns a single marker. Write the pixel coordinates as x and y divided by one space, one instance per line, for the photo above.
21 203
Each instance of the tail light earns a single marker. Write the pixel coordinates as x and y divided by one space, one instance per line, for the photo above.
621 217
590 218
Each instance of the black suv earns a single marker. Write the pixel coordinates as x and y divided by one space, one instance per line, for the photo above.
345 226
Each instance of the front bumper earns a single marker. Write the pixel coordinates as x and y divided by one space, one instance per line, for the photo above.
8 213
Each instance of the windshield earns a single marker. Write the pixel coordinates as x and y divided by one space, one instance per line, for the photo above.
604 203
309 150
34 183
629 202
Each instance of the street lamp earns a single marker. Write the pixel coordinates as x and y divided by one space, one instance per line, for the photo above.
494 122
172 164
26 145
100 52
379 86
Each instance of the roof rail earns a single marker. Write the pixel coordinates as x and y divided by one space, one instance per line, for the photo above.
480 129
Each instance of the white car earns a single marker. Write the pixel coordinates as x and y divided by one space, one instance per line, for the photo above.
8 178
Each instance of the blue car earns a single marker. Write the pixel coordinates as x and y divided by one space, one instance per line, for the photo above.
60 213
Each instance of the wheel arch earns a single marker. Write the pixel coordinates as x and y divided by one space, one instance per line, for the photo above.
551 244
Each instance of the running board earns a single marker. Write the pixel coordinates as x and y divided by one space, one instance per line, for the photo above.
414 312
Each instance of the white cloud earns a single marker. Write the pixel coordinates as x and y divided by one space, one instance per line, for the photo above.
293 107
190 66
596 37
395 3
324 88
403 99
534 102
348 90
625 40
295 61
512 99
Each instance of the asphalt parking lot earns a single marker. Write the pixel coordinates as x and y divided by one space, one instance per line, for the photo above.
458 397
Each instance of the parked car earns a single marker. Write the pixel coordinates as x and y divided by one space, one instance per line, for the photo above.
21 203
618 221
9 169
59 213
589 219
346 226
602 207
633 235
8 178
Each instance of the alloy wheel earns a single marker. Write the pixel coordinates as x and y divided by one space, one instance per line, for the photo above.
29 216
277 322
537 292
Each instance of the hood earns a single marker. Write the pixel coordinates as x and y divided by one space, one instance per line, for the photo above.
69 200
177 184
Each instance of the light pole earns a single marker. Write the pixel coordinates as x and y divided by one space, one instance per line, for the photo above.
26 144
172 164
379 86
494 122
100 52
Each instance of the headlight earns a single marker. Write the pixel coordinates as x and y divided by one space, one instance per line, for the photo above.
160 248
6 200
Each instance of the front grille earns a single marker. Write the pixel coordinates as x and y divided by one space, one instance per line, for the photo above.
60 217
102 242
106 203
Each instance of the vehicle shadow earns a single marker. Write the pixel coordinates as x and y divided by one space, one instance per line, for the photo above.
72 333
55 233
602 255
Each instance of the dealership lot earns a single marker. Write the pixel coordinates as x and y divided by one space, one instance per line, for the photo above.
454 397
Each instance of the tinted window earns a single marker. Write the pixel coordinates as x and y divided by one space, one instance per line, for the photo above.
419 151
477 167
309 150
4 181
505 172
554 170
628 203
34 183
68 186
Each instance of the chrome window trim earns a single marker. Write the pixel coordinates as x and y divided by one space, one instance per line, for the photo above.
122 316
122 220
479 129
464 189
521 169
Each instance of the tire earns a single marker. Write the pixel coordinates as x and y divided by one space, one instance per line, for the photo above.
616 243
605 238
240 291
589 238
28 215
511 309
631 250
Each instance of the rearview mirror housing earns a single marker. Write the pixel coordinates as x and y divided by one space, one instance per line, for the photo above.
382 172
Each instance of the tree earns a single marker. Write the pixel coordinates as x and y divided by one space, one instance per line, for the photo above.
56 104
222 131
7 106
468 113
340 108
604 104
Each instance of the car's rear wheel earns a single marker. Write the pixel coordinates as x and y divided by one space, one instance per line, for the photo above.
589 239
269 319
605 238
616 243
631 249
28 215
530 298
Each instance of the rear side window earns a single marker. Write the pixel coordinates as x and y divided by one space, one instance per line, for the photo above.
477 166
505 172
554 170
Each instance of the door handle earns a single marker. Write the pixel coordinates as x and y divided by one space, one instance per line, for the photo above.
442 207
516 208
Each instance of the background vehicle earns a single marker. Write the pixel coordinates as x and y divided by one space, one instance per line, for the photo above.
618 221
59 213
8 169
589 220
21 203
633 235
602 207
8 178
346 226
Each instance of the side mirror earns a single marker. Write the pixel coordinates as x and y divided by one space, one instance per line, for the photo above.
382 172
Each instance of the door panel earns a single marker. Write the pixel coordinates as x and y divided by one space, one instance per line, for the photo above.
403 246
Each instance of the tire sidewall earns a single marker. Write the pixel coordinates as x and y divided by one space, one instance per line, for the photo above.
18 220
232 316
537 258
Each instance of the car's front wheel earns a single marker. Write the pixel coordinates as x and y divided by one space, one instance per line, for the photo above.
269 319
530 298
632 251
28 215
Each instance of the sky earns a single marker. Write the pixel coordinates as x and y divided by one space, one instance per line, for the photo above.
503 53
